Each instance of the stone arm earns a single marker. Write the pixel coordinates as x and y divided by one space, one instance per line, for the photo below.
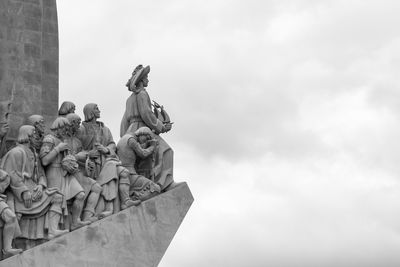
42 177
48 151
141 152
109 141
17 185
13 165
147 115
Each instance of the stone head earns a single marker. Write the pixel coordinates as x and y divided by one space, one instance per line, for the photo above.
66 108
37 121
139 75
143 134
25 134
75 122
91 111
60 127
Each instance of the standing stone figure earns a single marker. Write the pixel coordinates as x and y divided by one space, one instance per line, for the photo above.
66 108
129 148
37 121
97 139
91 187
37 205
138 113
53 150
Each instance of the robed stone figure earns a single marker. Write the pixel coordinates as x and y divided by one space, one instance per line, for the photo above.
138 113
37 206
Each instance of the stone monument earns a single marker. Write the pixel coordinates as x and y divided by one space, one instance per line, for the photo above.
28 62
73 196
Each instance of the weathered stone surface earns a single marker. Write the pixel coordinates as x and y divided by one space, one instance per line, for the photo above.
136 237
28 60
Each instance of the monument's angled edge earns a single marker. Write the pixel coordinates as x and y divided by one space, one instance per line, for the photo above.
136 237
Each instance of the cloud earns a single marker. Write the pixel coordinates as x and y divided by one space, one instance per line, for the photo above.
285 120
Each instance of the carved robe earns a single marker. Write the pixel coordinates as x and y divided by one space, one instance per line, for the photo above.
3 204
138 113
76 149
128 150
56 176
107 167
25 172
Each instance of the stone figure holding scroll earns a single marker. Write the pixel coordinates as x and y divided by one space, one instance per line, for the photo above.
139 113
37 206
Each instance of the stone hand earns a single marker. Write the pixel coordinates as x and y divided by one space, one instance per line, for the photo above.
27 197
167 127
37 192
4 129
152 142
102 149
93 154
62 146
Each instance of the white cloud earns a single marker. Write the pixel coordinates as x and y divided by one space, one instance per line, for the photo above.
285 120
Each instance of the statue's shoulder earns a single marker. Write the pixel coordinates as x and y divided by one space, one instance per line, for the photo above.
142 93
49 139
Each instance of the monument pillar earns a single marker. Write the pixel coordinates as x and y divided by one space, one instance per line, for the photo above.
28 61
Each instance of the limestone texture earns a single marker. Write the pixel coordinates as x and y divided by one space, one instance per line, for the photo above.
28 61
135 237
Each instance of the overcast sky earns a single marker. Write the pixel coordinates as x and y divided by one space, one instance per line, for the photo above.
286 119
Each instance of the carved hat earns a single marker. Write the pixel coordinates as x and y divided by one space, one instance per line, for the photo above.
138 74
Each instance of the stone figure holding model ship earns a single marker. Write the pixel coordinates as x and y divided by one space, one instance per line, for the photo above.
139 113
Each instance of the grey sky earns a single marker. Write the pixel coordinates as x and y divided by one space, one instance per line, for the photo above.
286 119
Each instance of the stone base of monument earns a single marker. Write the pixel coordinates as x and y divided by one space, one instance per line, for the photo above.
137 236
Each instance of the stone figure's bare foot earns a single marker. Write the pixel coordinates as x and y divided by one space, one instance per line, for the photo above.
79 224
56 233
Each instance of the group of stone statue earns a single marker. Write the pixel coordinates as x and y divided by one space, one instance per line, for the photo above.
54 183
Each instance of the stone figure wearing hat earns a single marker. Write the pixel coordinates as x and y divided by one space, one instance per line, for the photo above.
139 113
